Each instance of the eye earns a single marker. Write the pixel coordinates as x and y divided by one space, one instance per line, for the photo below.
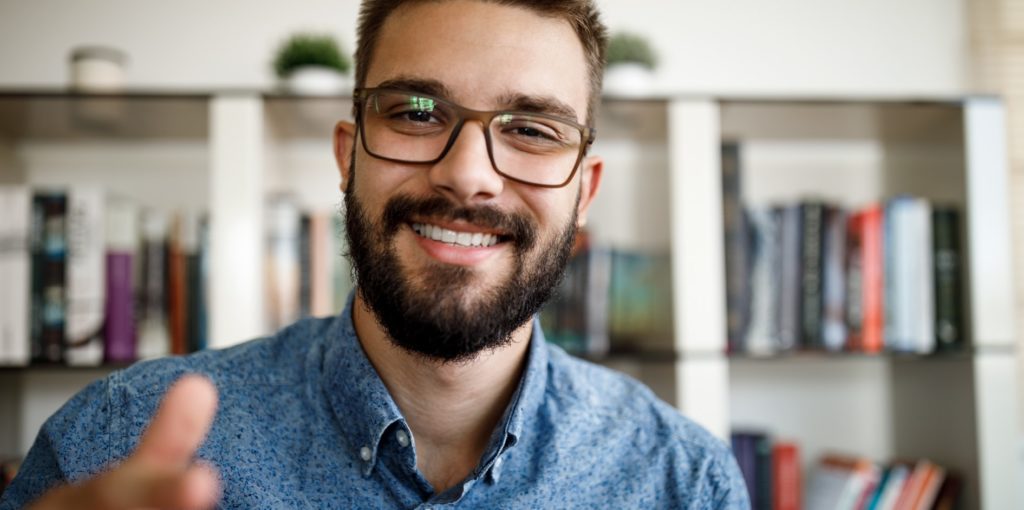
416 116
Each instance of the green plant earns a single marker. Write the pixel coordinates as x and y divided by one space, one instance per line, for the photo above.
310 50
625 47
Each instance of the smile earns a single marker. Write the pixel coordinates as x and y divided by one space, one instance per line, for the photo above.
454 237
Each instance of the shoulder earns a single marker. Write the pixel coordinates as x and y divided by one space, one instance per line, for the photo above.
276 359
102 422
629 419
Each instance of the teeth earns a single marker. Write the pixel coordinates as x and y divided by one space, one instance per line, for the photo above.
452 237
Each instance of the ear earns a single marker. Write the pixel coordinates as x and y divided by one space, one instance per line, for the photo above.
590 170
344 141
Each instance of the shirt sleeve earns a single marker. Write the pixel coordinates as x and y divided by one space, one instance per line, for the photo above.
73 444
733 494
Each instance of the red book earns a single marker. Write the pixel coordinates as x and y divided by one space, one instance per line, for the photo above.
873 284
786 488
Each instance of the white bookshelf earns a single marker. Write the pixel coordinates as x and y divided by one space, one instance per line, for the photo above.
223 153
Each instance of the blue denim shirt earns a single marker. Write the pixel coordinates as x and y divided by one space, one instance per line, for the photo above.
305 422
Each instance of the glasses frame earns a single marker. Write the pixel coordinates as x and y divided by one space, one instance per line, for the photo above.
361 95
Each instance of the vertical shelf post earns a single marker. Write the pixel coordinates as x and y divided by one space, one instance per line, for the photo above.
702 380
992 302
236 219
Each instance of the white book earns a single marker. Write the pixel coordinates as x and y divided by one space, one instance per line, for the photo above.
15 272
762 330
154 337
284 223
921 315
86 276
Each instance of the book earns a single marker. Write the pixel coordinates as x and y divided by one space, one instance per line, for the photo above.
833 323
177 300
15 272
790 289
49 259
787 489
305 267
283 261
321 249
840 482
122 234
753 451
191 234
812 249
865 281
909 276
154 339
947 259
86 276
762 330
737 233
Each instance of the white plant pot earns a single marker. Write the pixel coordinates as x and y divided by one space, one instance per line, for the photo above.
316 81
628 79
97 69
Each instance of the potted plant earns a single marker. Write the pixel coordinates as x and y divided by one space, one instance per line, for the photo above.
631 64
312 64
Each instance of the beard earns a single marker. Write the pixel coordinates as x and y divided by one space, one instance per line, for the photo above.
443 313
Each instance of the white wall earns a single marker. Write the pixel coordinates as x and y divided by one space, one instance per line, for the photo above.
914 47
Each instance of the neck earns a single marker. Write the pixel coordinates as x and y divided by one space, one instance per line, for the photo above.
451 408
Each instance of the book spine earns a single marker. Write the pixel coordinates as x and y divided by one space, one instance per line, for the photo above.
86 276
763 472
812 239
320 244
854 312
120 335
15 272
921 315
193 281
949 327
790 288
154 340
49 299
873 280
787 492
833 328
761 331
737 250
176 292
305 266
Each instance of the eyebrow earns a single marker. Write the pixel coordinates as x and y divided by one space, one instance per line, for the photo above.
421 85
539 104
511 100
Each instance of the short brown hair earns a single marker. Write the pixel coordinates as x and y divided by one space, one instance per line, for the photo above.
582 15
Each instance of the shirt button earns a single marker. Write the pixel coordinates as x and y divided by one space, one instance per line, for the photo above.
402 437
365 453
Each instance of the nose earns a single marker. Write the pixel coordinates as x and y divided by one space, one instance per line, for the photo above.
465 174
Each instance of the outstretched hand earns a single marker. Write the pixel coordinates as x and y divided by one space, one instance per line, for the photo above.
161 472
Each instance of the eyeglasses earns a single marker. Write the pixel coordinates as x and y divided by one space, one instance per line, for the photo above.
409 127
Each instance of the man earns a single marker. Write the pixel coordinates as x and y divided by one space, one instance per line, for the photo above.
466 176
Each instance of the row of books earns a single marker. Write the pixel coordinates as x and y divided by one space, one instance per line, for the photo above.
307 271
856 483
772 474
814 276
811 275
91 277
610 299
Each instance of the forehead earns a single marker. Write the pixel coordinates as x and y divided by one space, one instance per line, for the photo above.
482 52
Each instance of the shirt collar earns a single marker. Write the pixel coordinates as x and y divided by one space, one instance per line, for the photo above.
360 401
365 410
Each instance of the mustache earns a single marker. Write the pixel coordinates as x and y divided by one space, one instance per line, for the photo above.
517 228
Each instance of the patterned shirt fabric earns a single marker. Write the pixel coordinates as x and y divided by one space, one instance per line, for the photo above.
304 421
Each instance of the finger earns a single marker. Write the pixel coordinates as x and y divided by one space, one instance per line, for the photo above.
180 424
130 488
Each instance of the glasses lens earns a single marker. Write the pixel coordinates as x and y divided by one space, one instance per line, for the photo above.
406 127
535 148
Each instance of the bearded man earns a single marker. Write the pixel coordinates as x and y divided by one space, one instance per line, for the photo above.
466 174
